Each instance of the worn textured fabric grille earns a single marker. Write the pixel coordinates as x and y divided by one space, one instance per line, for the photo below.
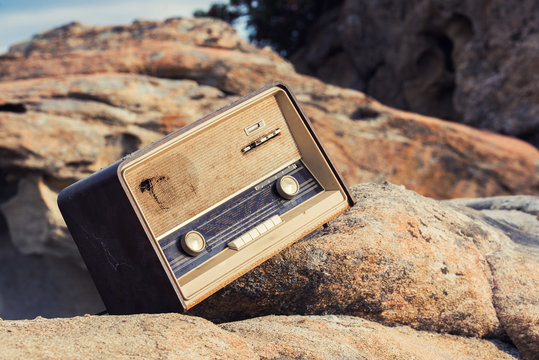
180 182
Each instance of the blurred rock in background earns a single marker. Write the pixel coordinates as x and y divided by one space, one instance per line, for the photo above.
77 98
474 62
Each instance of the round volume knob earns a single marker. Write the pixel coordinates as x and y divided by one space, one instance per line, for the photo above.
193 243
287 187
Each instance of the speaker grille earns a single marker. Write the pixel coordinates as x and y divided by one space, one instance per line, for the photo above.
183 180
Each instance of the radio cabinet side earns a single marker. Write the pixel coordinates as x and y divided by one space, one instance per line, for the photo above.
114 246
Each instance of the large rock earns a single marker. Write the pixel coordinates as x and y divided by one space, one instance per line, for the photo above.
396 258
514 267
347 337
35 222
399 258
432 157
72 126
43 285
471 61
516 216
516 296
182 337
169 336
207 51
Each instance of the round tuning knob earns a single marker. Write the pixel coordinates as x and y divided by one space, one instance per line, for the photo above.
287 187
193 243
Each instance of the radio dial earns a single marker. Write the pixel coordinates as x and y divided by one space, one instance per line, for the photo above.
193 243
287 187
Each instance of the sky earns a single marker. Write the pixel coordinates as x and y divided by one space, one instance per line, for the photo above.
21 19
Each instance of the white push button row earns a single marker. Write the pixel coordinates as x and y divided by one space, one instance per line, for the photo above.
255 232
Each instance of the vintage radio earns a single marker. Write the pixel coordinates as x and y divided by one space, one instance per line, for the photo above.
170 224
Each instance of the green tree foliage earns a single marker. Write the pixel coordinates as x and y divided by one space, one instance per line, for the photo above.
281 24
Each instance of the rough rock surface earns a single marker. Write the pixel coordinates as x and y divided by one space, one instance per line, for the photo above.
516 296
203 50
471 61
35 222
169 336
516 216
514 268
175 336
347 337
399 258
46 286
